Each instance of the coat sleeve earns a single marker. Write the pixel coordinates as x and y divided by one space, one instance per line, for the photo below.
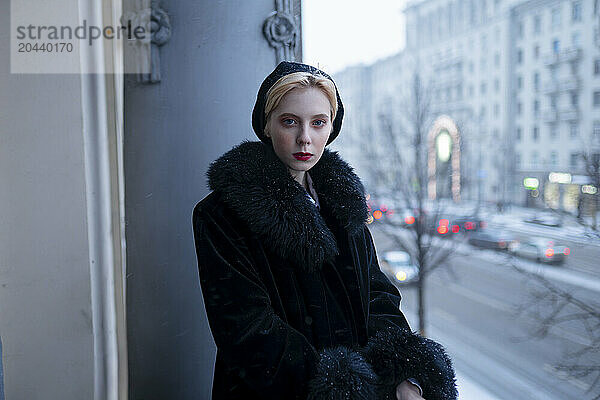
273 359
394 351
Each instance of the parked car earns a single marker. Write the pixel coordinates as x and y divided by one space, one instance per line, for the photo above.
541 250
545 220
492 239
449 227
469 223
399 266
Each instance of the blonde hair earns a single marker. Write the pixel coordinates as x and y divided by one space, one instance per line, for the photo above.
300 80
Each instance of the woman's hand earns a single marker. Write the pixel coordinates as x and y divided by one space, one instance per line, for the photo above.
407 391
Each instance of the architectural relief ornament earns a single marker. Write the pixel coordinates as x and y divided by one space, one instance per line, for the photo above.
281 31
143 52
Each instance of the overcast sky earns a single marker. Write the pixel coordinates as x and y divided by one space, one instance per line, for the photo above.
339 33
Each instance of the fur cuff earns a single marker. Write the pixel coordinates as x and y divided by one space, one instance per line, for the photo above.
342 374
397 354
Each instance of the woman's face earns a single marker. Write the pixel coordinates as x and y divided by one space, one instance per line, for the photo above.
299 128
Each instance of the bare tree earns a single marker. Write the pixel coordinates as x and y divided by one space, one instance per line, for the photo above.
591 160
553 307
403 174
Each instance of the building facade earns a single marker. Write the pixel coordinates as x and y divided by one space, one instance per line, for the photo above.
521 81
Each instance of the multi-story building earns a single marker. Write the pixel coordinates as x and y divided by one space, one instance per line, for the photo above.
520 79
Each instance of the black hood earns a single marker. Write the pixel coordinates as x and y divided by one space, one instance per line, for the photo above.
286 68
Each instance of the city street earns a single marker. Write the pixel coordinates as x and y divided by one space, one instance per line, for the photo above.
472 308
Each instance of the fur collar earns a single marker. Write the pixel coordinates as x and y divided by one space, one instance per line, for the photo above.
258 187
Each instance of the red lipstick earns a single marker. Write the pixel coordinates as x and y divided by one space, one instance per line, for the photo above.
302 156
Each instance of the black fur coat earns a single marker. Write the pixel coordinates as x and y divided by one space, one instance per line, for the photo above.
295 299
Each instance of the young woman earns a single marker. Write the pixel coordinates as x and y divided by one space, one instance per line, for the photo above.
295 299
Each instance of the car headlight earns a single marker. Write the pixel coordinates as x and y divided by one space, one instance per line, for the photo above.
401 276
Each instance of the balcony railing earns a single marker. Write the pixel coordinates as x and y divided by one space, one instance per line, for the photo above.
569 84
570 54
550 116
567 55
569 114
550 59
550 87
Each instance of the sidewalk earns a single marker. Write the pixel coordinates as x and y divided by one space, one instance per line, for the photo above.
469 390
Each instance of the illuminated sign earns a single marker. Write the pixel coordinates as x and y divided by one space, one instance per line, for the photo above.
589 189
559 177
531 183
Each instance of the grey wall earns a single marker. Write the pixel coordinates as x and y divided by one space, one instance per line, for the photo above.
211 70
45 306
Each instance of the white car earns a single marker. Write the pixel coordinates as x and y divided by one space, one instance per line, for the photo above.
399 266
541 250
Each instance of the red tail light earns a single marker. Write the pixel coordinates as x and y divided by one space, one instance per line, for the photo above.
455 228
468 225
444 222
442 229
566 251
502 244
549 253
377 214
409 220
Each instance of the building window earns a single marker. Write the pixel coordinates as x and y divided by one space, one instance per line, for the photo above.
497 59
496 85
518 133
483 87
553 158
536 133
574 130
576 39
483 10
519 82
574 160
536 51
553 131
597 98
536 108
520 29
597 66
519 56
553 103
576 11
518 159
471 91
535 159
556 46
537 24
496 109
596 130
536 81
574 99
519 108
556 18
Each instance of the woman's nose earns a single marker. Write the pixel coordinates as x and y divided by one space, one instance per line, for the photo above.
304 136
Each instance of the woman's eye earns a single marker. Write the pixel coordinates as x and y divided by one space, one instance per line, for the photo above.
288 121
320 122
